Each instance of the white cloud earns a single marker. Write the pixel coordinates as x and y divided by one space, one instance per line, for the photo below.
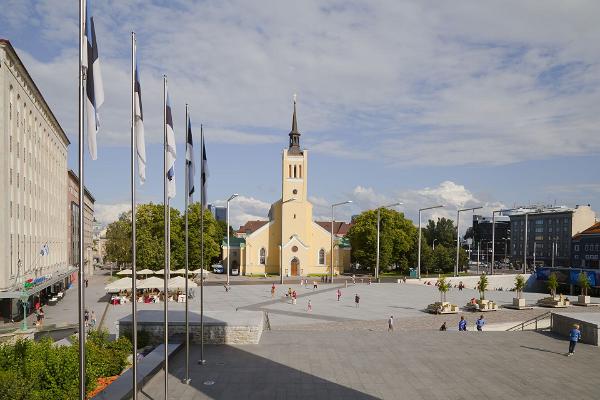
400 81
243 209
107 213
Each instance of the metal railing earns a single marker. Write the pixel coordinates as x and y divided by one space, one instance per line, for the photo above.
533 321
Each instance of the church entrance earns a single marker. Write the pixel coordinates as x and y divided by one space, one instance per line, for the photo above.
295 263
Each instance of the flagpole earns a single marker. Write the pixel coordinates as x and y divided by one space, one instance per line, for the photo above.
201 361
187 196
80 291
133 227
167 234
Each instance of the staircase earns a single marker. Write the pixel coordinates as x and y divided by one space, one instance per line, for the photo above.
542 322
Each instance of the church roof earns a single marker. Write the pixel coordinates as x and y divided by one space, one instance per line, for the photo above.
251 226
234 241
592 230
340 228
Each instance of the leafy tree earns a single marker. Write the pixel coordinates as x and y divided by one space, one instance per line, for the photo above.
519 285
443 230
443 287
397 239
443 259
482 286
426 255
118 240
552 284
469 234
584 283
213 234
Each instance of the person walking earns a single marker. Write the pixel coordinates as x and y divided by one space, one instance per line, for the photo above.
314 285
462 324
294 297
443 327
357 300
339 294
86 282
391 324
309 308
479 323
273 291
93 319
574 337
86 317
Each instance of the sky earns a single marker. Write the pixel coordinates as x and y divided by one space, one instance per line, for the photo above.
462 103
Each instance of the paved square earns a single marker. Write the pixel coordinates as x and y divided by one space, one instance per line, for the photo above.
398 365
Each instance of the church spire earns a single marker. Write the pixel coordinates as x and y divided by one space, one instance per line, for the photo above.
294 147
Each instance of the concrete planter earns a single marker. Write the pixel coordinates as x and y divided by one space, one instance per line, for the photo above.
518 302
583 299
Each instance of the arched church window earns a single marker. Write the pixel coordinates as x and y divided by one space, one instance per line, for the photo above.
262 256
294 171
299 171
322 257
290 171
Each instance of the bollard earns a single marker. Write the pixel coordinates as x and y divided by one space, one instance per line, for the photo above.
346 282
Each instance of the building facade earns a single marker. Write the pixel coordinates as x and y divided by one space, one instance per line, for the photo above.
549 233
586 248
290 241
219 212
33 185
73 224
482 235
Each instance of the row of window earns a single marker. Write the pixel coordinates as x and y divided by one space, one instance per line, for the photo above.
589 247
294 171
262 256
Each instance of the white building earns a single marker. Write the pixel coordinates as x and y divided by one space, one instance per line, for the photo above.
33 188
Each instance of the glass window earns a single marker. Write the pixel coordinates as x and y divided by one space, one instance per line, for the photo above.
322 257
262 256
576 247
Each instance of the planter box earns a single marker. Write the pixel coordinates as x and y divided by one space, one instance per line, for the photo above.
518 302
583 299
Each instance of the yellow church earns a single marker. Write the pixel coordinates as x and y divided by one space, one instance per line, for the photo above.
290 242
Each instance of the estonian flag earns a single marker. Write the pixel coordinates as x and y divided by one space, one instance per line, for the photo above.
189 160
94 89
139 127
204 173
171 152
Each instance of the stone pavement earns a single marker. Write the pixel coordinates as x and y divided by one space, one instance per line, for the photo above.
397 365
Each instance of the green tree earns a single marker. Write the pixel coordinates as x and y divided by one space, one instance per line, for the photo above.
443 287
118 240
552 284
519 285
397 239
482 286
213 234
443 259
443 230
584 283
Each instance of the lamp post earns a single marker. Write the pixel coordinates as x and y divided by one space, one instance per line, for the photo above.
233 196
378 226
458 234
281 245
433 247
332 219
419 243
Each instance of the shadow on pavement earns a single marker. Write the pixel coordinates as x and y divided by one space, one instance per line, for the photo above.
543 350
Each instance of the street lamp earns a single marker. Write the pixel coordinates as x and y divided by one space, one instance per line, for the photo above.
281 246
419 244
233 196
458 234
378 225
332 219
433 246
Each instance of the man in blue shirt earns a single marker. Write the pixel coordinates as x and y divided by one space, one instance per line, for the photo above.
462 324
479 323
574 337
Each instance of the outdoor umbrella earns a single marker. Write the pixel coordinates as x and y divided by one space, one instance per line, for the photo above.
125 272
179 283
152 283
118 285
180 271
146 272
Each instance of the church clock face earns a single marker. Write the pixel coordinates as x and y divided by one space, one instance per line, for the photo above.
295 191
294 249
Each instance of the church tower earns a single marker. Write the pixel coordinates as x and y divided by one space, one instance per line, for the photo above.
295 165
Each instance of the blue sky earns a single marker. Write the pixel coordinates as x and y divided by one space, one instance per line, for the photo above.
465 103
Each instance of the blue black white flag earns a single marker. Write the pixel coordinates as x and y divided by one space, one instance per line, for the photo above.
94 89
44 250
171 150
204 177
139 127
189 160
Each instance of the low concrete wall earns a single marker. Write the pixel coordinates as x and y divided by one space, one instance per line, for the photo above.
241 327
505 282
589 324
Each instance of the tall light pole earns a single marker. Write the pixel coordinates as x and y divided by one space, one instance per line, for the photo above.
419 244
233 196
281 246
494 235
458 234
433 245
378 225
332 219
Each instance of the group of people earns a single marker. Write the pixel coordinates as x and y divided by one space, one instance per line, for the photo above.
89 318
462 324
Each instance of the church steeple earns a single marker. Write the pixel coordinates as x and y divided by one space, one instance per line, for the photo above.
294 147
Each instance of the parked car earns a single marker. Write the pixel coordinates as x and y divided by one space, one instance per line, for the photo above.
235 271
218 269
